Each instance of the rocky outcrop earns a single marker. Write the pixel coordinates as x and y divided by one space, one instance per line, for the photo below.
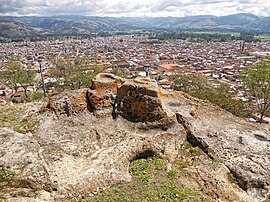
20 153
138 101
79 154
103 90
69 102
243 147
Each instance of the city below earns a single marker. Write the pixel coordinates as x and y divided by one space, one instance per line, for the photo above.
140 55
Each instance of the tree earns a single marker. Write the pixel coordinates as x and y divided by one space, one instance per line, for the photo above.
256 78
74 73
15 75
198 86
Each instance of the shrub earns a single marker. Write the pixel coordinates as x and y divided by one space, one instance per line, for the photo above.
26 125
172 173
6 175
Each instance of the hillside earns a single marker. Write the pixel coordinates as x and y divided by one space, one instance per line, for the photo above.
14 30
129 140
75 25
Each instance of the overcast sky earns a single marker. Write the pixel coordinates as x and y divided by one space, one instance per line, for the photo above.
134 8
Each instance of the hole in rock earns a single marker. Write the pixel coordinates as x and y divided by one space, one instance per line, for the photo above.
260 137
144 155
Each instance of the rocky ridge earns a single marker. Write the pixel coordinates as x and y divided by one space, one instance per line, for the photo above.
86 140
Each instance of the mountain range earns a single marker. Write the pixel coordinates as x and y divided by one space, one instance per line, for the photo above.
20 27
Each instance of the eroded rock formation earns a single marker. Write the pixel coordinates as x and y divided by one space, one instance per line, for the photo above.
69 102
103 91
76 153
138 101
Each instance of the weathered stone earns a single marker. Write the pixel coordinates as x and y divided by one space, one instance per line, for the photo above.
138 100
69 102
78 155
20 153
224 136
103 90
106 81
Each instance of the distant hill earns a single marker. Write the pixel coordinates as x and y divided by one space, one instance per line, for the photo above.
14 29
20 27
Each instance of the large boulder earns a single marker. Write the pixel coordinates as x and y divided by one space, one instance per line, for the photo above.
103 90
69 102
138 101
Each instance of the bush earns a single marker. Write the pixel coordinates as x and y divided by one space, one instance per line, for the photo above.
26 125
172 173
32 96
77 200
6 175
35 96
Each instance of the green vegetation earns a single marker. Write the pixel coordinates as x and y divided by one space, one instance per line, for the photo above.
187 153
222 95
151 182
263 37
217 160
231 178
74 74
195 36
119 72
26 125
13 30
182 195
77 73
160 163
77 200
15 75
6 175
256 78
31 96
139 168
37 28
172 173
11 116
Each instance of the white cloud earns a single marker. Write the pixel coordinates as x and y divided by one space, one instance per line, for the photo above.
151 8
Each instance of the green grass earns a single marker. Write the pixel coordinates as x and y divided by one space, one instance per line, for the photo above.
11 116
6 175
217 160
160 163
77 200
231 178
188 152
31 96
181 195
151 182
26 125
172 173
